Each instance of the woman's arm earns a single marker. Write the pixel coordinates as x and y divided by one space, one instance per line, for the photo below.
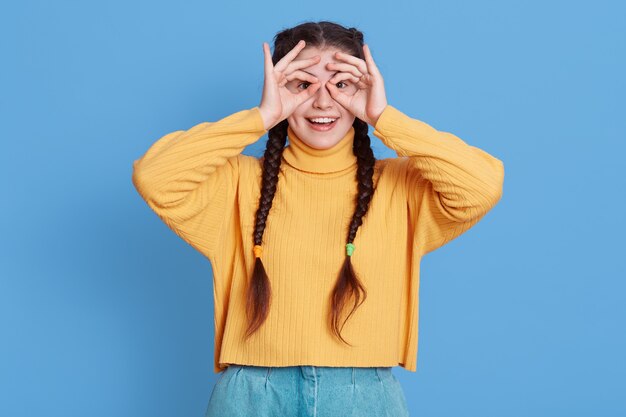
450 184
189 178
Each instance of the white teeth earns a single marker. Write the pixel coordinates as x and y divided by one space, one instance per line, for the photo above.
323 120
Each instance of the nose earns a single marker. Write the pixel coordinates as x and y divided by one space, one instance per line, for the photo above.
323 99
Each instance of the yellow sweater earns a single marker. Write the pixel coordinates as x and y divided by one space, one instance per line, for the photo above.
198 182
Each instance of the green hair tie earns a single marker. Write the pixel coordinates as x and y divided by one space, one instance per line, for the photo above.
349 249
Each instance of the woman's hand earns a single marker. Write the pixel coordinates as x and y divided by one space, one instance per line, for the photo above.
370 100
278 102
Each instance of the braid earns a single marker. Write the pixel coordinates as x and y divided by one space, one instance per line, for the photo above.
357 35
259 291
348 283
365 159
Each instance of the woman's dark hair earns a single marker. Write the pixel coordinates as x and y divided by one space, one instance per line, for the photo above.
349 40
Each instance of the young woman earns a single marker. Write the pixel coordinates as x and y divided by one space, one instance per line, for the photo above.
316 246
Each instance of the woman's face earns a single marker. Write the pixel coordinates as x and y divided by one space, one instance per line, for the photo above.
320 104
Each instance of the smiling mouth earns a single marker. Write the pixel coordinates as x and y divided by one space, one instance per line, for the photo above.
321 127
310 119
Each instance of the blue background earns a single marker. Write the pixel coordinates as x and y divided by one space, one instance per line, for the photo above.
105 312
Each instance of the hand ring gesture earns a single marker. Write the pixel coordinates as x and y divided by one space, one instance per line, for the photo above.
278 102
370 99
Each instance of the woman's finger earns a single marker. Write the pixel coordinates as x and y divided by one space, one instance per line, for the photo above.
342 76
290 56
357 62
302 63
301 75
360 83
338 96
306 94
269 67
369 60
345 68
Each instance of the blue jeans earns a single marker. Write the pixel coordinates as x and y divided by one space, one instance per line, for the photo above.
307 391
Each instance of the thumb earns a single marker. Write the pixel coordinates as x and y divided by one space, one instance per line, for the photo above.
338 96
304 96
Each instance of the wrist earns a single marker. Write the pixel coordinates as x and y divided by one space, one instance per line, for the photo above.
377 116
268 121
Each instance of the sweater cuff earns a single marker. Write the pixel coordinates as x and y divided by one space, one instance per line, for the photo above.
259 123
393 127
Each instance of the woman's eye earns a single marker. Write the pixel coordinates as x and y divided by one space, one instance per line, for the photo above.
338 84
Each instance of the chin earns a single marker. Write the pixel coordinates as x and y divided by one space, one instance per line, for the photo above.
320 139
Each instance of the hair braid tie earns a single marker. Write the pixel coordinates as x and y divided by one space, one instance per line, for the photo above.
258 250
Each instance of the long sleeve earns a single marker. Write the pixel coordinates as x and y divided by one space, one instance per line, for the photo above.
189 178
450 185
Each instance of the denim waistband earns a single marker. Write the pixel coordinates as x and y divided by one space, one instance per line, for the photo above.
345 373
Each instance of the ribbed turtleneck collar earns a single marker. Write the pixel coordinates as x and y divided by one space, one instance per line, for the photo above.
305 158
